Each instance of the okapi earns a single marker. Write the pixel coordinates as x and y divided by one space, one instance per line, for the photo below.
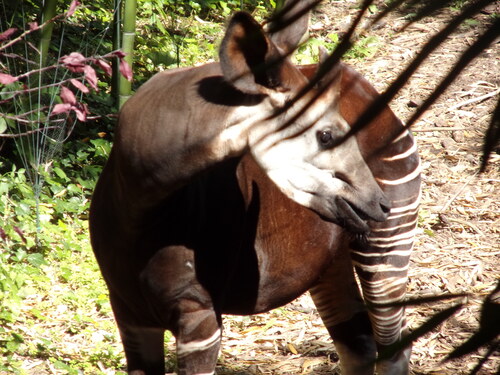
224 194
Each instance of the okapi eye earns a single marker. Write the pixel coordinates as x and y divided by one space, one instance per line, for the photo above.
325 139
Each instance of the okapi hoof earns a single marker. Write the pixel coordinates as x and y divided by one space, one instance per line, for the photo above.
397 365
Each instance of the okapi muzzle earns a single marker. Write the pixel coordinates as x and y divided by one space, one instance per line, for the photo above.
227 192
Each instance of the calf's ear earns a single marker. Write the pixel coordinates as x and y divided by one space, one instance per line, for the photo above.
249 59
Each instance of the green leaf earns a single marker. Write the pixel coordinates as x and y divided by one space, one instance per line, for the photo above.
60 173
63 366
36 260
3 125
12 346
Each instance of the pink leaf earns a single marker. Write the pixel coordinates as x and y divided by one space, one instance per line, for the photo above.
74 61
7 33
67 95
80 86
119 54
80 115
125 70
91 76
104 66
81 111
33 26
72 8
6 79
61 108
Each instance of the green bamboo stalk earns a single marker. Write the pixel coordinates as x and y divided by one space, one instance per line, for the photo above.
117 21
48 12
128 36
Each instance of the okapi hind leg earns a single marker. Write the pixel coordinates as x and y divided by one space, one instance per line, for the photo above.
339 303
398 364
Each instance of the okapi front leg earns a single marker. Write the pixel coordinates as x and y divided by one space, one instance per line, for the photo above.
144 350
198 340
143 345
342 310
383 277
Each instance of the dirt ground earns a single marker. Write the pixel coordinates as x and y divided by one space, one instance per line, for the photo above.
458 248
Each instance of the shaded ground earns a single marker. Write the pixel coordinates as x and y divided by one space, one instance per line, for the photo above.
458 249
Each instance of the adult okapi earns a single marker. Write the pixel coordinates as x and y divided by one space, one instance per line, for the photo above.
223 194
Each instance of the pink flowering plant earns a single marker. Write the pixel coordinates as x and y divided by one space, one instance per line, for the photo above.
80 75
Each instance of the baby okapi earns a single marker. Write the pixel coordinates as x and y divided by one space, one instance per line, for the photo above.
225 195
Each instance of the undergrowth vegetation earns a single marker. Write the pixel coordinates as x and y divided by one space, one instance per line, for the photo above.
48 277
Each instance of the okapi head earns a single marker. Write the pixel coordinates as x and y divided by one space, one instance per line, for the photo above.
294 134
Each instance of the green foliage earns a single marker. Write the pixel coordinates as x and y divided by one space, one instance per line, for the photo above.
174 33
307 53
54 278
427 221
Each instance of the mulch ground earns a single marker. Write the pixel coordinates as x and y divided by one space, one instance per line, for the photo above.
458 248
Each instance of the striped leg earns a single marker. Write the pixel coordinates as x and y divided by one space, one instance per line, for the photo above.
382 261
382 267
342 310
198 342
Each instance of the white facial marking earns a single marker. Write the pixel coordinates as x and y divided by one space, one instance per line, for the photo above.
294 160
290 150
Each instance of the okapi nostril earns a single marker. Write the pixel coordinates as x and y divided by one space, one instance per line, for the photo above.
385 206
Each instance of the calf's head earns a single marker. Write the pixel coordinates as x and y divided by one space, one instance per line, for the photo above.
295 135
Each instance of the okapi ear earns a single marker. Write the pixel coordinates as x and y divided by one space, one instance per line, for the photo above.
322 53
289 26
248 58
332 78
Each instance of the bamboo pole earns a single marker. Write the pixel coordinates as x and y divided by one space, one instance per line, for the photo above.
117 21
128 36
48 12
